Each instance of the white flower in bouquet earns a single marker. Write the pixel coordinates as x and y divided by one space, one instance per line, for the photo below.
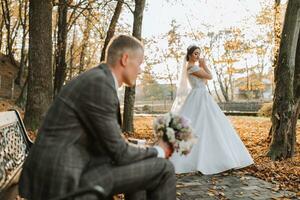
185 147
176 131
171 135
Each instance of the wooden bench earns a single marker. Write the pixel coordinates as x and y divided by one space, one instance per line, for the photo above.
14 147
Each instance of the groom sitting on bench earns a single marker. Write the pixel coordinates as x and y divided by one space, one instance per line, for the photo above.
79 143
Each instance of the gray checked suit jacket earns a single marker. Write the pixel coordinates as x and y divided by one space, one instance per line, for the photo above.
80 132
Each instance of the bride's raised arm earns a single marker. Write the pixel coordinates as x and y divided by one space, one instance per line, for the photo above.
203 71
202 64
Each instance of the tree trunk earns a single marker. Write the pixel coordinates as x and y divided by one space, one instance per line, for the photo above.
85 41
39 94
21 101
71 54
231 83
112 28
223 87
1 31
286 97
277 30
215 87
172 92
130 91
54 41
24 25
60 69
7 21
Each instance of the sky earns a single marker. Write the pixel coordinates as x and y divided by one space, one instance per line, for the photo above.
192 14
199 15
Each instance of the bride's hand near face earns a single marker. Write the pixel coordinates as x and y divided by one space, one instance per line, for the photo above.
202 63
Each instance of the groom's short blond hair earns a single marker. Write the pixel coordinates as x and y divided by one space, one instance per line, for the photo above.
119 45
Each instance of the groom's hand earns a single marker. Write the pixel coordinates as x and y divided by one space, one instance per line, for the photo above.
168 149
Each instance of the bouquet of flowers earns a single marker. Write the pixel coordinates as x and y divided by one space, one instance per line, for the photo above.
175 130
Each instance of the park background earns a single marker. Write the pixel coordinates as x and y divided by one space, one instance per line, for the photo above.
44 44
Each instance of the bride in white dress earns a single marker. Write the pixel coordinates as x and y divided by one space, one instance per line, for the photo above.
218 147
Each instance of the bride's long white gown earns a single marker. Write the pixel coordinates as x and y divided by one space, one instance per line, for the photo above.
219 147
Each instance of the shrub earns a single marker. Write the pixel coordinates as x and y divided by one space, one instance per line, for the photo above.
146 108
266 110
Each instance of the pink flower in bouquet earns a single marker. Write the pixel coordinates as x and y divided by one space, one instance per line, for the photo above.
175 130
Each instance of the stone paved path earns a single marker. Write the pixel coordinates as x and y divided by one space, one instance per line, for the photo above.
228 186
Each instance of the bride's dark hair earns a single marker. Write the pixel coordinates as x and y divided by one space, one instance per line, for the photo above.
190 51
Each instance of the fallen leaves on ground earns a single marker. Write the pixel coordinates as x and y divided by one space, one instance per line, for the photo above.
6 105
254 133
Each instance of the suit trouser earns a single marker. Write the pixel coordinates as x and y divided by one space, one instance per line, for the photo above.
152 179
156 176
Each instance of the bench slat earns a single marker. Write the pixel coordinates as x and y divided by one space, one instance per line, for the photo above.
8 117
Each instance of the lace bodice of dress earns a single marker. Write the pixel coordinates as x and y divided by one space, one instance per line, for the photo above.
194 81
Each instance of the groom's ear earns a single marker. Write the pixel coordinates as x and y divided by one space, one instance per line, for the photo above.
124 59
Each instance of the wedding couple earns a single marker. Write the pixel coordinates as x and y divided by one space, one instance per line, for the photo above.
79 143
